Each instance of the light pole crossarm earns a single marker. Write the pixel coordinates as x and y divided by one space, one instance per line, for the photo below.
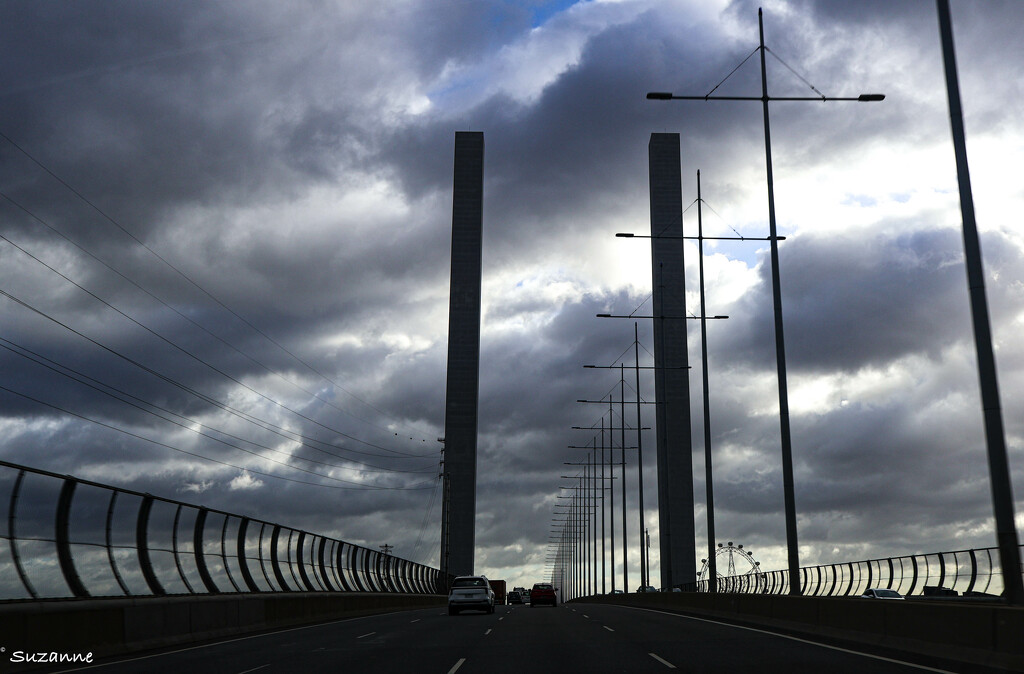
631 235
668 96
688 318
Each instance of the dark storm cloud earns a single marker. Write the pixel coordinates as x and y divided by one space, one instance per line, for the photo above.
856 302
295 160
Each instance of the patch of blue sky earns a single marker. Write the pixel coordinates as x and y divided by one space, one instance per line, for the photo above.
860 200
542 11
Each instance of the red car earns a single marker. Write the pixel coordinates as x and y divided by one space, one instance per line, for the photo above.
543 593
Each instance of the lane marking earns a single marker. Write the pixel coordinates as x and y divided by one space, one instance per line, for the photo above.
254 669
457 665
608 628
804 641
414 621
586 616
662 661
487 632
368 634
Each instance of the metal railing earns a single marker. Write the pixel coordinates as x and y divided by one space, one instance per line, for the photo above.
963 572
69 537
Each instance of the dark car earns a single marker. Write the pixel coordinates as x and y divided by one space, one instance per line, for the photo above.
514 597
543 593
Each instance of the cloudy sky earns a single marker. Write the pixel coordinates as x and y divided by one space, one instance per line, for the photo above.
225 257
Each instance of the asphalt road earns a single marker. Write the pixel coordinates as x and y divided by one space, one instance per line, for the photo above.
573 638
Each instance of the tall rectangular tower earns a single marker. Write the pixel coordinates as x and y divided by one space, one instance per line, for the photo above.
458 517
671 376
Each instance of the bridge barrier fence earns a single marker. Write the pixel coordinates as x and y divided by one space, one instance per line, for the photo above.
968 573
70 537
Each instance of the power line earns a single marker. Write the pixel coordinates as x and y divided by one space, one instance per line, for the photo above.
182 274
248 417
210 459
220 339
142 405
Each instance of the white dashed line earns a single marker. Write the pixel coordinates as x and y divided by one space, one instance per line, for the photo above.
662 661
457 665
608 628
487 632
368 634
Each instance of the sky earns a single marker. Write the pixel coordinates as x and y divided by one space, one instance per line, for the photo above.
226 254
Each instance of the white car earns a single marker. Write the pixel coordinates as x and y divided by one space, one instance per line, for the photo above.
470 592
881 593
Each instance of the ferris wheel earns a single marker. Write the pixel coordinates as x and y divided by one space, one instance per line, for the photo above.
737 562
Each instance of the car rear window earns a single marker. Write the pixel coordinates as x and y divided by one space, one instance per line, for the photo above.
540 586
469 582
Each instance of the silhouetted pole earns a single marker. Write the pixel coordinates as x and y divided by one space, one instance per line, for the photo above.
611 490
708 485
780 343
622 440
604 551
640 462
998 466
780 351
593 479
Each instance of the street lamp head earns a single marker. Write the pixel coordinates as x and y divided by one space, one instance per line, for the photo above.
659 96
868 98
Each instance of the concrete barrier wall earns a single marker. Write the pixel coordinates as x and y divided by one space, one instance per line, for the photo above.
116 626
988 634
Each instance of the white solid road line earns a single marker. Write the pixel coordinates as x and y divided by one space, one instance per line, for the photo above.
662 661
457 665
368 634
806 641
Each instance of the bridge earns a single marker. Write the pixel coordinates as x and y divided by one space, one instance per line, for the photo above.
97 576
187 586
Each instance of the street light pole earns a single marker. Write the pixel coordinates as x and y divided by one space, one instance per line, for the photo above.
780 343
640 461
708 482
998 464
780 350
622 445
